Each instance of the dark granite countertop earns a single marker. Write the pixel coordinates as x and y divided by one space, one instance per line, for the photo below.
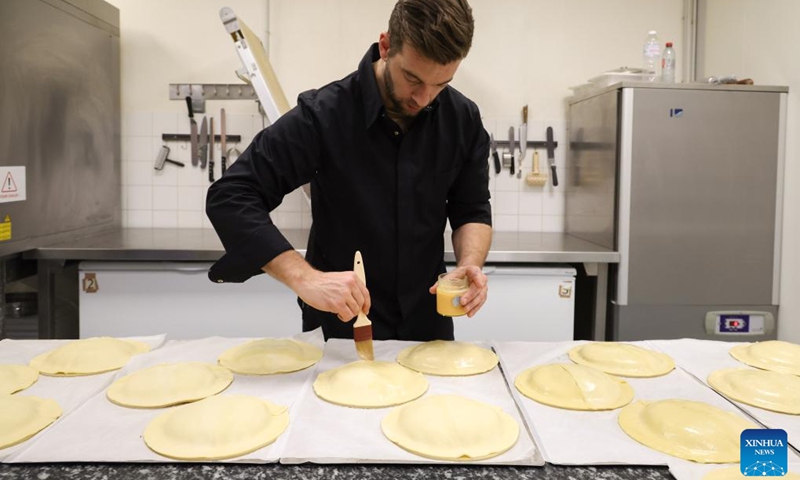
323 472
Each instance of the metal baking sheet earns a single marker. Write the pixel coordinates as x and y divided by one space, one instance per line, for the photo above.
568 437
101 431
328 433
69 392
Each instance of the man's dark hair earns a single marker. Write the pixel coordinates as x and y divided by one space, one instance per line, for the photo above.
440 29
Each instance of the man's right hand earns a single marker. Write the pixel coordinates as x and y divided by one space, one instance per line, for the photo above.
341 293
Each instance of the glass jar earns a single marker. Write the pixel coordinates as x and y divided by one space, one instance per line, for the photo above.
448 295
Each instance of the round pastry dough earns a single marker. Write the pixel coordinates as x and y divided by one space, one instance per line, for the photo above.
575 387
734 473
685 429
15 378
779 392
169 384
448 358
774 355
451 427
215 428
88 357
370 384
22 417
268 356
622 359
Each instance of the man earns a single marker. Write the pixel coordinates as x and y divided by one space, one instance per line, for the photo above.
392 152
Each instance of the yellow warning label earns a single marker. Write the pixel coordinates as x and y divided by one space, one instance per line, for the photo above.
5 229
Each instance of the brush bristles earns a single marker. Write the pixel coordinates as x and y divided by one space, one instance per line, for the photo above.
363 338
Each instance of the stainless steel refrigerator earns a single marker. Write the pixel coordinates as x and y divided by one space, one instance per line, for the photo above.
685 181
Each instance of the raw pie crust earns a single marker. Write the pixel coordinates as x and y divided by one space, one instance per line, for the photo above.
370 384
685 429
22 417
169 384
779 392
216 428
88 357
448 358
622 359
451 427
774 355
268 356
575 387
15 378
735 473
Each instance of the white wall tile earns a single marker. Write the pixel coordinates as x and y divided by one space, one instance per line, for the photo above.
139 149
505 223
165 198
191 199
306 220
124 199
239 124
206 221
167 176
190 219
137 124
140 198
553 223
190 176
167 219
139 219
137 173
506 203
505 182
530 201
164 122
530 223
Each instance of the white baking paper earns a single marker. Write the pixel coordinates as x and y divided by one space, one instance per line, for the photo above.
100 431
701 357
568 437
328 433
68 392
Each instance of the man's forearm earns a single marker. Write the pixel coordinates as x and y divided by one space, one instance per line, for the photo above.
290 268
471 243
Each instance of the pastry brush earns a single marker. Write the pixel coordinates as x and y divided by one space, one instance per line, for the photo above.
362 329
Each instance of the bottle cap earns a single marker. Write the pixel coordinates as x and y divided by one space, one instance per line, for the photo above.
652 32
669 44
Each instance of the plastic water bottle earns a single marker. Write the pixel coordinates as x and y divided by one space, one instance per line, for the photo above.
651 54
668 64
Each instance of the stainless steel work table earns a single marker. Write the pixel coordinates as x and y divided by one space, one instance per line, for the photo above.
174 245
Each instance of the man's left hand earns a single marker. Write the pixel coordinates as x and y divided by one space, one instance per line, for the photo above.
475 297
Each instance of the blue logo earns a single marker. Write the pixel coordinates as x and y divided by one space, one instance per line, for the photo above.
763 453
675 112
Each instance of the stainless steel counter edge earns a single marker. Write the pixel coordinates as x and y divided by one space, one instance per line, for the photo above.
174 244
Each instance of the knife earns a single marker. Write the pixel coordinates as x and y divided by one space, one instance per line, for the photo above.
224 140
193 126
512 147
202 148
211 151
523 139
551 160
493 145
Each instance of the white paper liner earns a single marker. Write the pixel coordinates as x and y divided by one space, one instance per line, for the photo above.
328 433
68 392
101 431
568 437
701 357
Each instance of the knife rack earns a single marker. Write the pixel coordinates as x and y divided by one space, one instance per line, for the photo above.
528 144
200 92
185 137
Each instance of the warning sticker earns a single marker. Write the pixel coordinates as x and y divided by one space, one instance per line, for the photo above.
13 187
5 229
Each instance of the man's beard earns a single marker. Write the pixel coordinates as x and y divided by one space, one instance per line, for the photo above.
396 106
